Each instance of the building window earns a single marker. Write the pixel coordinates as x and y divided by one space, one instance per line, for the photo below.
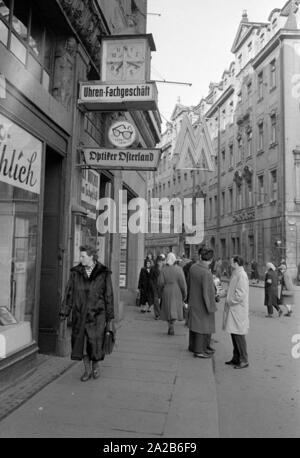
261 190
249 88
249 143
27 35
239 197
4 21
274 24
210 208
260 86
273 74
223 160
274 186
240 59
230 200
250 47
216 205
223 207
261 136
273 129
223 120
239 96
250 194
231 155
240 148
262 38
231 112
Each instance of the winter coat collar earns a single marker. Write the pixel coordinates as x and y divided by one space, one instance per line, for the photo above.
98 270
202 264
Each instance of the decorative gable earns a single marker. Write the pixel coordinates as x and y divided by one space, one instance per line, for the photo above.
194 148
178 110
243 31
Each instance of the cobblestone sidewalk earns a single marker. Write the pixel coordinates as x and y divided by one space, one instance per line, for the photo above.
48 369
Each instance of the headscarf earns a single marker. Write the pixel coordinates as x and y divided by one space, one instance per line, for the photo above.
171 259
270 266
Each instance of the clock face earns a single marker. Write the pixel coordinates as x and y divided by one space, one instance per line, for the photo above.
125 62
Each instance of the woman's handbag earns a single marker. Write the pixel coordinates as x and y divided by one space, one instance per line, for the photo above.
109 337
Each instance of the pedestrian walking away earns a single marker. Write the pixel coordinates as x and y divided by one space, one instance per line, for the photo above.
254 271
89 296
286 293
236 313
202 305
271 290
155 290
144 286
173 285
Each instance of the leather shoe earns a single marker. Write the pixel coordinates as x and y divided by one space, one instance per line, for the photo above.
232 363
202 355
241 366
96 373
86 376
210 352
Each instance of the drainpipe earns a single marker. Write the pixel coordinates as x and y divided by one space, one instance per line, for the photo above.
219 183
282 111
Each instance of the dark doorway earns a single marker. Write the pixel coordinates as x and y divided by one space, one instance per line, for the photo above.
51 269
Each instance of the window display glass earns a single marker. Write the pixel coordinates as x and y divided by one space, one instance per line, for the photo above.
20 176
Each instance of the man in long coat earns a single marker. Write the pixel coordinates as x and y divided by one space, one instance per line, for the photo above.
89 295
202 305
271 290
236 313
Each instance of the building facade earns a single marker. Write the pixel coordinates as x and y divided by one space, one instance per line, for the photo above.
48 202
252 197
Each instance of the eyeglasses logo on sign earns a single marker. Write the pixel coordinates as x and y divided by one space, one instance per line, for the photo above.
122 134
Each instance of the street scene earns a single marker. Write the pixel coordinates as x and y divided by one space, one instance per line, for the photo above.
149 221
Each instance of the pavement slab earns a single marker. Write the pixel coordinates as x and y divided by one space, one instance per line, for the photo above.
151 386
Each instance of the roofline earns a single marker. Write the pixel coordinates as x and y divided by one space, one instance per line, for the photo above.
220 101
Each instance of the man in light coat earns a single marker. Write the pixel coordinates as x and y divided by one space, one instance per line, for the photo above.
236 313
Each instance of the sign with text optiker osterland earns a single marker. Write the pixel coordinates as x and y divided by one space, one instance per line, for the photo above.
103 96
125 159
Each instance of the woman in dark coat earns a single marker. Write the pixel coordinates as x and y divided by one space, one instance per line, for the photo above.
174 290
271 290
146 296
89 295
155 290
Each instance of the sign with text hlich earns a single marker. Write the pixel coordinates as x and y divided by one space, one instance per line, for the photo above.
125 159
102 96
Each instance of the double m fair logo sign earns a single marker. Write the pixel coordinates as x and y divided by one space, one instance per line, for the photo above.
20 157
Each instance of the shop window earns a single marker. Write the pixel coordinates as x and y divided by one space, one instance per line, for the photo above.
19 216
